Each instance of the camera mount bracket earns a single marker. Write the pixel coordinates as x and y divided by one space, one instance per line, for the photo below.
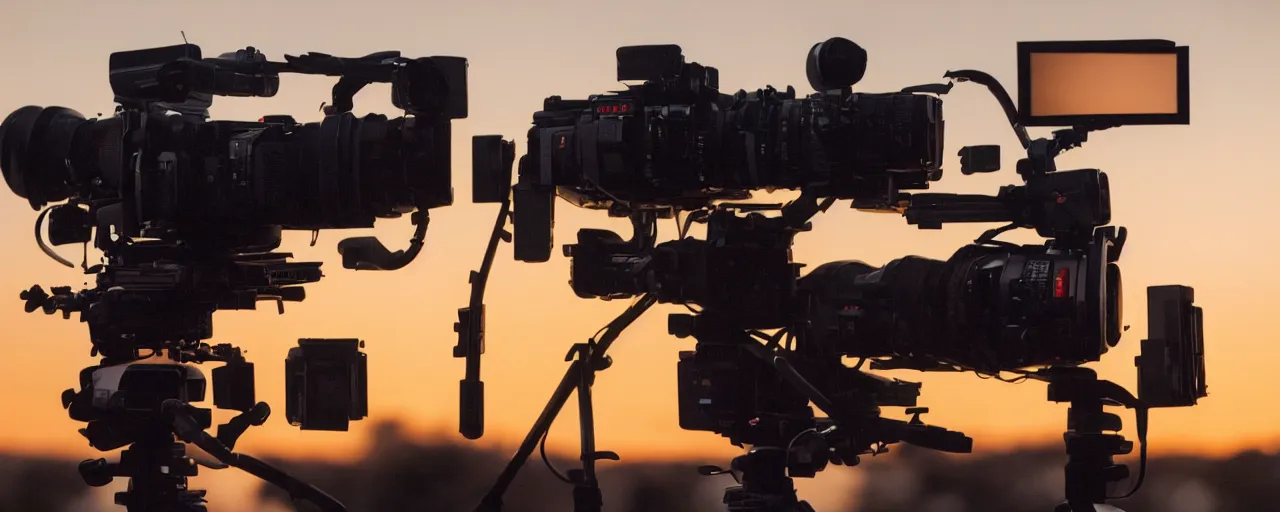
764 484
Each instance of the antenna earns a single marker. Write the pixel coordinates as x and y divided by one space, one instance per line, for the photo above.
186 45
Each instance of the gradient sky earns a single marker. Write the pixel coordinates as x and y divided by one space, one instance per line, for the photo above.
1198 201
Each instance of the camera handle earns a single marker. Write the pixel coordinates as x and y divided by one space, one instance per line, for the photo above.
368 253
588 358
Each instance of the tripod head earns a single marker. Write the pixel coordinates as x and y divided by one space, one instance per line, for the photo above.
156 465
763 483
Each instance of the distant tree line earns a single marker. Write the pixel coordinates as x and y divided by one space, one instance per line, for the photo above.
400 473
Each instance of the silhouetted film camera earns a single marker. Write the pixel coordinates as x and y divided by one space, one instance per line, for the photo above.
771 341
187 213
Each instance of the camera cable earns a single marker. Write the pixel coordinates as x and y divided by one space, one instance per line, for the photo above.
1141 413
542 449
45 247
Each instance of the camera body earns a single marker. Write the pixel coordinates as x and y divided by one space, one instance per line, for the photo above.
722 389
744 267
326 384
159 168
675 141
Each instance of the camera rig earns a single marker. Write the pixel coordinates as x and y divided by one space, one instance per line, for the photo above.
773 415
973 312
188 214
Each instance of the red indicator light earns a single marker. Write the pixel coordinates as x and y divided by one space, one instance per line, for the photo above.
1060 286
613 109
262 119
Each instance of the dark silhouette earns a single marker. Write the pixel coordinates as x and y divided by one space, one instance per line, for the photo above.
402 473
1032 481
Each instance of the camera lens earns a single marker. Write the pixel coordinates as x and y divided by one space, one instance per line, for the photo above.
986 308
1031 307
35 145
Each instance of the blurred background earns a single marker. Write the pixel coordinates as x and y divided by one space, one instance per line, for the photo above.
1198 202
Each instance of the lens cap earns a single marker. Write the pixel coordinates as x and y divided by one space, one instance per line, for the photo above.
835 64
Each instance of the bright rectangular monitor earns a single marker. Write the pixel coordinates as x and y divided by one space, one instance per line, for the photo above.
1108 83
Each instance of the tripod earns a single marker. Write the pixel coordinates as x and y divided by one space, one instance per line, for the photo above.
159 298
1090 439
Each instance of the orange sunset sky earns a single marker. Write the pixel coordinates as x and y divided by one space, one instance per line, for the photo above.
1199 202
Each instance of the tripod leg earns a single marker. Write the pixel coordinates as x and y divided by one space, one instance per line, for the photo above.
586 419
586 491
493 499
